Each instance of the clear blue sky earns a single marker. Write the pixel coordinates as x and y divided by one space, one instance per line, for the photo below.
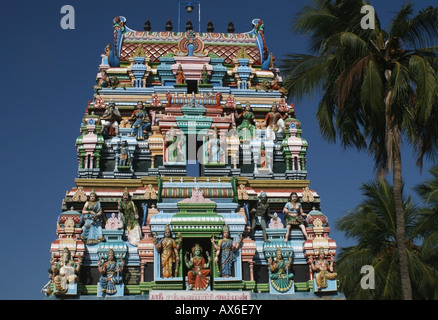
47 76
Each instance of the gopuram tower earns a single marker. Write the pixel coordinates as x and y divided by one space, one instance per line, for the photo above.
191 178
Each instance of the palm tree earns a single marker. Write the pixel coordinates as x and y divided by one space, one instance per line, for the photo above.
376 86
428 224
373 225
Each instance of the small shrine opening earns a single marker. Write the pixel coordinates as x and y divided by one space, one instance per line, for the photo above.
192 86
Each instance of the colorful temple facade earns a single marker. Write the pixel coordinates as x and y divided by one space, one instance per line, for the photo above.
191 176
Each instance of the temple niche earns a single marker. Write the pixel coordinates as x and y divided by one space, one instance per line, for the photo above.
192 177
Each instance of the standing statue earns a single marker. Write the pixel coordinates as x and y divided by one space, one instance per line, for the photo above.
111 273
259 214
199 273
323 269
93 216
225 250
129 215
124 157
281 278
66 271
180 78
215 151
169 251
142 122
294 215
174 143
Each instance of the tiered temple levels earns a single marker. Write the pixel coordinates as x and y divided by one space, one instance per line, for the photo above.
191 176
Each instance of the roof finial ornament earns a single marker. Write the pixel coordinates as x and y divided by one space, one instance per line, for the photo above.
169 26
147 25
210 27
189 25
230 27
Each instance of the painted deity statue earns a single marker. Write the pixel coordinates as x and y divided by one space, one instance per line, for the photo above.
247 123
124 156
129 215
114 223
110 120
280 277
66 271
294 215
169 251
93 217
111 273
265 159
142 121
180 78
275 223
259 214
174 143
199 274
323 269
215 151
204 75
274 123
225 252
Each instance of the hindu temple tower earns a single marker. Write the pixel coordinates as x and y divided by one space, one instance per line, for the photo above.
188 150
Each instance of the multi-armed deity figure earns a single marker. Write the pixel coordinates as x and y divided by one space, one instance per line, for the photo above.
93 216
259 214
111 273
129 215
169 251
294 215
323 269
66 271
281 278
199 274
225 250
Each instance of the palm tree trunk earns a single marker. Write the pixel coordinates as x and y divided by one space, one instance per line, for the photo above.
393 147
400 223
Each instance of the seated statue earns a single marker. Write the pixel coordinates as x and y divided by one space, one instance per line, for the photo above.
110 120
294 215
66 271
247 123
114 223
281 278
93 220
199 274
141 122
323 269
